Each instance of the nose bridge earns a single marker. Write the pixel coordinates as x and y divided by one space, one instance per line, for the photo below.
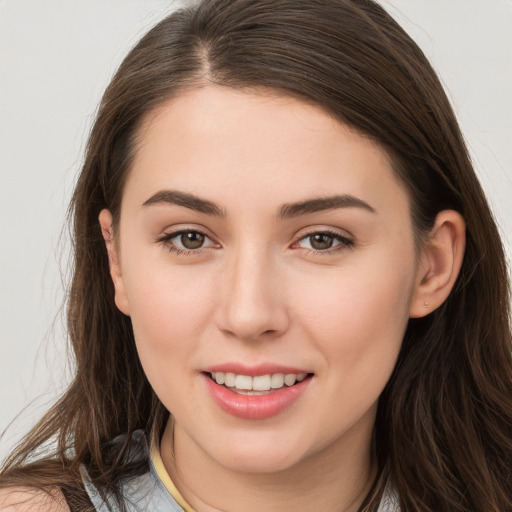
252 300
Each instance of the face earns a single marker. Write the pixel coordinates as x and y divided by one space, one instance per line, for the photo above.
267 262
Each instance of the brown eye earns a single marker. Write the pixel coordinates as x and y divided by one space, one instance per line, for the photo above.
192 240
321 241
187 242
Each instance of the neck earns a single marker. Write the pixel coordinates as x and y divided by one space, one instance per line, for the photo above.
335 479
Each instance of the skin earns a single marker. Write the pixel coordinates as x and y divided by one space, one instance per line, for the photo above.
259 291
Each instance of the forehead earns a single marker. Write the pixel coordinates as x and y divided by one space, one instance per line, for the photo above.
225 144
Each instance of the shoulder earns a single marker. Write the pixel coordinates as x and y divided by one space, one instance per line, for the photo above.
25 499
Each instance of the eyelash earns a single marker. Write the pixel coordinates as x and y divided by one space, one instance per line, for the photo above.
344 242
166 241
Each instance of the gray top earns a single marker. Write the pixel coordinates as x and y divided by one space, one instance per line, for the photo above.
142 493
148 493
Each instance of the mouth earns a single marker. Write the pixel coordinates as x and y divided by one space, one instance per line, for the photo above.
257 385
256 397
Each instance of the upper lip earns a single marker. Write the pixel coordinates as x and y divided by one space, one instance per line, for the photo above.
254 370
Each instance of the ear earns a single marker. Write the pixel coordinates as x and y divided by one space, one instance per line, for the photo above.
440 262
105 219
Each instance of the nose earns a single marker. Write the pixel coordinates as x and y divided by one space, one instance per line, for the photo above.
252 299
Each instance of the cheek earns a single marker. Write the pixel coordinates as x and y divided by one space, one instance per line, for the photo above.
357 314
168 309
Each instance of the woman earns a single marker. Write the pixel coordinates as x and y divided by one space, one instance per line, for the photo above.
280 241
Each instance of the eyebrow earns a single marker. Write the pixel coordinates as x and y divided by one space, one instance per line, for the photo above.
187 200
287 211
320 204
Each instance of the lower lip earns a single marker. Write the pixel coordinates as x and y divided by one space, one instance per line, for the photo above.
255 407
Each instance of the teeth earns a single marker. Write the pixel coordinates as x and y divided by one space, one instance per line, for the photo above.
289 379
258 383
229 379
243 382
261 383
277 381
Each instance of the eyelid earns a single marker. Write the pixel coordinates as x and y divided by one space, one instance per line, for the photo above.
312 230
177 229
170 233
346 240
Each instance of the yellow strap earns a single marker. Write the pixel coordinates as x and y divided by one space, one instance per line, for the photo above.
165 478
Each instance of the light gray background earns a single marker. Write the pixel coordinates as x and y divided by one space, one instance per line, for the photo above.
56 57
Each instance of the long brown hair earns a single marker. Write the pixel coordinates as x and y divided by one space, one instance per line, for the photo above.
443 434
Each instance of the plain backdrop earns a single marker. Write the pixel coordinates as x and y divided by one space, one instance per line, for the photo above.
57 56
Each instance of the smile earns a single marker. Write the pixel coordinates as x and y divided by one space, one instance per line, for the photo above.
256 397
246 384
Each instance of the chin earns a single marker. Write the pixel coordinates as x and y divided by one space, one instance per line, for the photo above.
248 456
260 463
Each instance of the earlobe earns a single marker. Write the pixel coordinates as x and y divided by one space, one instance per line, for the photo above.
440 263
105 220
